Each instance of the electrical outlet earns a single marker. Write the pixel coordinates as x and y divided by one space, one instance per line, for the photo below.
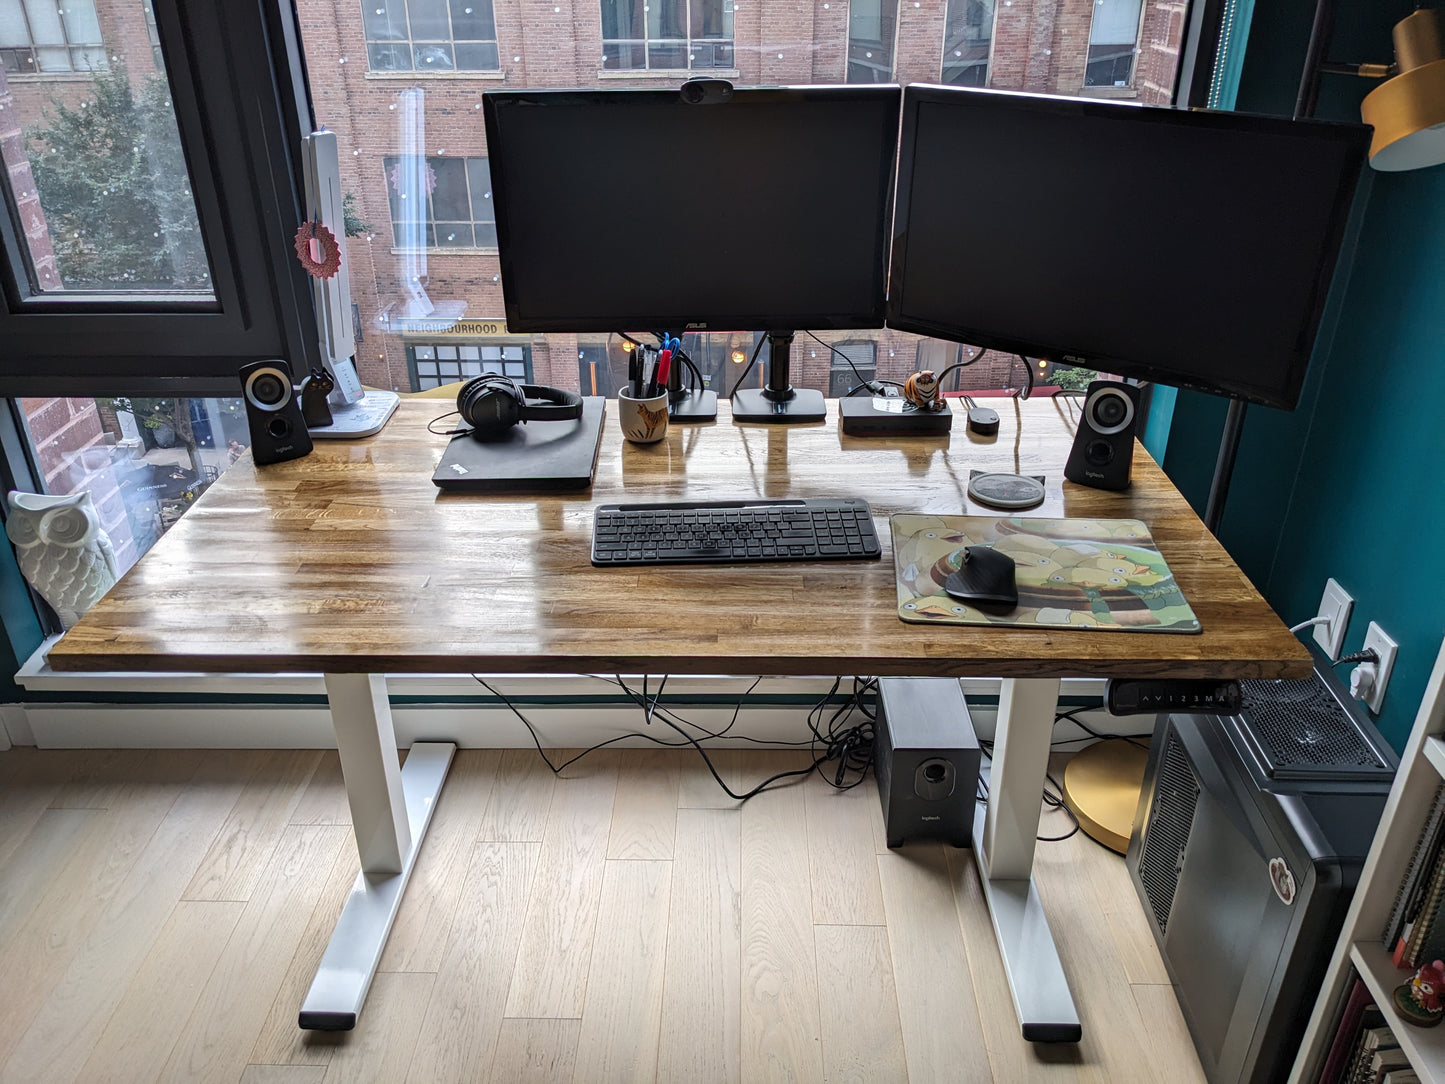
1377 638
1335 605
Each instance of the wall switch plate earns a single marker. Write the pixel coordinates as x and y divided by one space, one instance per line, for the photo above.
1335 605
1386 648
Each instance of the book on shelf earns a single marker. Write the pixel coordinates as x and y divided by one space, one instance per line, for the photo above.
1422 859
1373 1040
1401 1076
1424 938
1385 1060
1347 1030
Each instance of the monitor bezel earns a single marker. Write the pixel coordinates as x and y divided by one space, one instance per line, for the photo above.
703 321
1354 138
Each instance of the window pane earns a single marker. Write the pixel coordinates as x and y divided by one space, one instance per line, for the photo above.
429 20
455 235
385 20
622 19
449 198
666 18
389 58
626 55
145 462
477 57
45 26
99 176
435 57
472 20
712 19
81 25
667 54
12 25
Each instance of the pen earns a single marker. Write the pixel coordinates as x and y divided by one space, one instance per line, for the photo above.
664 366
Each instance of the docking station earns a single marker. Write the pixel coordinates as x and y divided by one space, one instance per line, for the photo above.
891 416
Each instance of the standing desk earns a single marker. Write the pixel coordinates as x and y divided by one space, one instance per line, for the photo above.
350 563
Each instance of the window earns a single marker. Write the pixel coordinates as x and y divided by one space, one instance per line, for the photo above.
857 365
436 363
667 34
144 461
430 35
967 34
1112 40
872 28
39 37
458 209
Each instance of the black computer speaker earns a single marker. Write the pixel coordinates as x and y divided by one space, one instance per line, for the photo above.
926 759
278 431
1104 445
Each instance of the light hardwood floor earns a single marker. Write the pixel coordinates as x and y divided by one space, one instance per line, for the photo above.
162 913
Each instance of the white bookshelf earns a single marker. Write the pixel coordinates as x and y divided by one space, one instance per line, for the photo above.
1422 767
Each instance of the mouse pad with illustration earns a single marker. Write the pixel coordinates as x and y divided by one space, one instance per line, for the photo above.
1070 573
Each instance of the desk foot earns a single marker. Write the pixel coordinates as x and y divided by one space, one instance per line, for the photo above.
1042 1001
352 956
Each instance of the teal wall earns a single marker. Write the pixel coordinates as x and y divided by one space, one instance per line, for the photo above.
1348 485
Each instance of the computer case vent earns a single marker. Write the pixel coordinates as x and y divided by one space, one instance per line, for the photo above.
1175 795
1299 729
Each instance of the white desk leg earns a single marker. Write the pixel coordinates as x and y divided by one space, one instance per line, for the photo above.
1004 845
391 807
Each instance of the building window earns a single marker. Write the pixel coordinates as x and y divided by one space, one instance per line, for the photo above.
1112 40
967 34
459 211
671 35
430 35
38 36
872 30
853 363
435 364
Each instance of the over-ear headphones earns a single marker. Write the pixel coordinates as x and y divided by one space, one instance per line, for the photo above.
491 404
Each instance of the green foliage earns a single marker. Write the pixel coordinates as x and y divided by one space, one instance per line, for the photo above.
113 183
1072 379
355 225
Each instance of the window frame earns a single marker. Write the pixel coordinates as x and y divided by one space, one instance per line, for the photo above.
237 81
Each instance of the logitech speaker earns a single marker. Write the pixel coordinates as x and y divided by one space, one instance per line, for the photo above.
1104 445
278 431
926 758
491 404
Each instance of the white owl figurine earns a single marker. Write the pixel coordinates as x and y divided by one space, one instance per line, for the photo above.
62 550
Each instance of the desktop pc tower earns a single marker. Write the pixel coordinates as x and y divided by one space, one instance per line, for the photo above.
1247 846
926 758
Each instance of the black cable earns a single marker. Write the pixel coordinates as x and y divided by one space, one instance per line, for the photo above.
756 351
1367 655
1028 388
872 385
960 365
445 432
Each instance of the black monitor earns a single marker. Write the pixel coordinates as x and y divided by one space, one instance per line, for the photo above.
759 209
1191 248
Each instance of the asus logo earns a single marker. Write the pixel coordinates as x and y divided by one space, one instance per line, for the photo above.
1071 359
700 326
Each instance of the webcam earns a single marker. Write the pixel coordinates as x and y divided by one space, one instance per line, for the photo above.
706 91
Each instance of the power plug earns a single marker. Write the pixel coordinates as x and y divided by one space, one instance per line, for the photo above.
1378 676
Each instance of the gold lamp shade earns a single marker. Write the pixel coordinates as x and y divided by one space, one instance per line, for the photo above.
1408 111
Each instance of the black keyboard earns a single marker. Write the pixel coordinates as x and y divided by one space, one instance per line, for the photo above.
733 532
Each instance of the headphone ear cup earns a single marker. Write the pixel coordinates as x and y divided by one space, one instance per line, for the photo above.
491 404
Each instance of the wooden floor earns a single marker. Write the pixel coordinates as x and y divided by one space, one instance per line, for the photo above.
162 913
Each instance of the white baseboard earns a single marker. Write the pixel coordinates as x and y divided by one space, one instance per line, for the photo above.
211 726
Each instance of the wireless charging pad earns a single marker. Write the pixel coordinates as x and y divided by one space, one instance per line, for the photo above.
1006 490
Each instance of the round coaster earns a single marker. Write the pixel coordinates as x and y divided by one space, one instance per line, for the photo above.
1006 490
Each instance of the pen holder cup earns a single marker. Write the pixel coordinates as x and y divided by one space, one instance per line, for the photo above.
644 421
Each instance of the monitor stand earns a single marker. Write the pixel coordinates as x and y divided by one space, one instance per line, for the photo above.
685 405
779 403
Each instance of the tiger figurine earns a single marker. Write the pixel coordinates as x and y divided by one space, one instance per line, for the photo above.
922 390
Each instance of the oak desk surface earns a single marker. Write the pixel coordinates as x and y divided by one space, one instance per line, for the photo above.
351 561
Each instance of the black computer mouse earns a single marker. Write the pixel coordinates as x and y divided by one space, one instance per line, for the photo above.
985 580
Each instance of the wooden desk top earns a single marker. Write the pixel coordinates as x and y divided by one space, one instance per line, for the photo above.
350 560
